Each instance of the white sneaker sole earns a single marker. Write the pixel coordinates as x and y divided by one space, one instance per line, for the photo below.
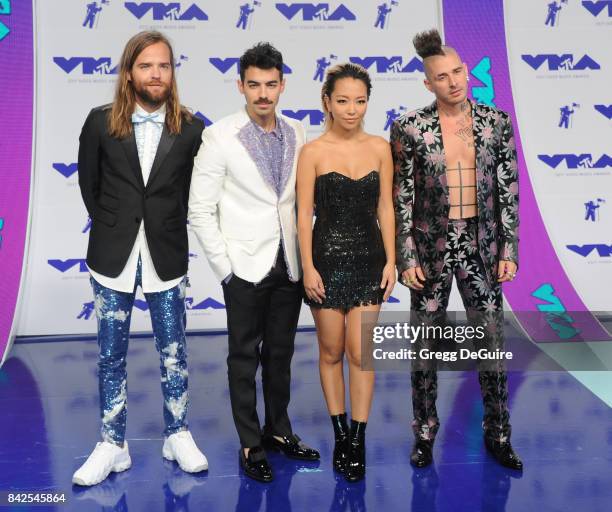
168 455
117 468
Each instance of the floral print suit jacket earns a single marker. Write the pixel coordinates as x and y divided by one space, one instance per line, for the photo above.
421 193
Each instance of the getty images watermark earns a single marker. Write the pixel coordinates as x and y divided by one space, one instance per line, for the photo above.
484 341
420 334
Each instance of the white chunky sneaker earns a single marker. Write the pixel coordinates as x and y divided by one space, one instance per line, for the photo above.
182 448
106 458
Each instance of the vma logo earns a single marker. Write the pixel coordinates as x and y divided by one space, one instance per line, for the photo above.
65 265
382 16
592 209
322 64
92 14
208 303
597 7
565 62
392 115
86 311
5 8
161 11
66 170
207 122
224 65
316 12
602 250
313 117
88 65
582 161
604 110
394 64
554 12
87 225
484 93
557 316
566 113
245 18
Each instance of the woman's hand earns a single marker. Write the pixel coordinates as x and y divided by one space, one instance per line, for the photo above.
388 280
313 285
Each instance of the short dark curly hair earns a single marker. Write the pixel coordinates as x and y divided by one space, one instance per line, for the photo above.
262 56
428 44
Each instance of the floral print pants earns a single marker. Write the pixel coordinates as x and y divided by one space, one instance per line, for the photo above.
479 296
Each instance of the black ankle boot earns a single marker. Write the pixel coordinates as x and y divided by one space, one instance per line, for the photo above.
355 468
341 435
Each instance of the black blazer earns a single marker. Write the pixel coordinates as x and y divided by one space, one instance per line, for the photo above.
117 199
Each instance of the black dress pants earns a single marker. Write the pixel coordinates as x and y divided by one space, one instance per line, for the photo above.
262 320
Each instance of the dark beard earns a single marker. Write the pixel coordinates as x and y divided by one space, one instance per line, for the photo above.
155 102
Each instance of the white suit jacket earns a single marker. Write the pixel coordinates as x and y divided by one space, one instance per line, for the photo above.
234 209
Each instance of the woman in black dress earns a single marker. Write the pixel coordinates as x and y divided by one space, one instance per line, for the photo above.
345 180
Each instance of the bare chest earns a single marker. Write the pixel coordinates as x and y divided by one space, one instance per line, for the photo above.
458 140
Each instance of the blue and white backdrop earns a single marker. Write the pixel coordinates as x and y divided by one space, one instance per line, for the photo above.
559 64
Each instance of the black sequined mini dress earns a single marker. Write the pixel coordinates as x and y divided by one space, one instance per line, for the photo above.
347 245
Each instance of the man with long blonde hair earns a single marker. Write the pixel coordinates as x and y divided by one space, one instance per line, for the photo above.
135 163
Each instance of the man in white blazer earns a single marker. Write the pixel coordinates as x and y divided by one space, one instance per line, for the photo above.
242 209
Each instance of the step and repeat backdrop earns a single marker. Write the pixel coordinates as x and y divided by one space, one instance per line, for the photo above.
546 62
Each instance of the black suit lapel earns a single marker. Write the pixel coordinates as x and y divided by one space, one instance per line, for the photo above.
165 145
131 151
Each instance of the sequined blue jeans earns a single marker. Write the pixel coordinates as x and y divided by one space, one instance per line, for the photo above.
113 312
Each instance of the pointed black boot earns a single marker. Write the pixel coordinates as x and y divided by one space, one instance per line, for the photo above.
341 435
355 468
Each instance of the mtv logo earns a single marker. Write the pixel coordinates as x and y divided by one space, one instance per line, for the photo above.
603 250
597 7
584 160
202 117
389 64
224 65
66 170
565 61
89 65
65 265
161 11
318 12
604 110
315 117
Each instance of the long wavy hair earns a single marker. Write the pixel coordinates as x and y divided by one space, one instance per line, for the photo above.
335 73
120 118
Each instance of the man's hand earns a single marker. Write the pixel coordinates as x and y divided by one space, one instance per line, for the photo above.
413 278
506 271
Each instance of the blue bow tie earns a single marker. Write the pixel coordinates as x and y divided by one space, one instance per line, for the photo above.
155 118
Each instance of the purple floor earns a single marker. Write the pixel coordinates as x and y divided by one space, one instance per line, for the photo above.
49 404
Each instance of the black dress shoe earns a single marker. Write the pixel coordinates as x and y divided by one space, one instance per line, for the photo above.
504 454
422 455
341 446
356 464
255 464
292 446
